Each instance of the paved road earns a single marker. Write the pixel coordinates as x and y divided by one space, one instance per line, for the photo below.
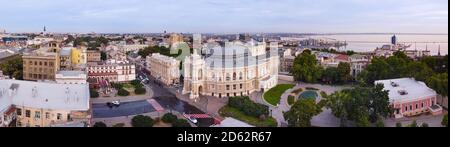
125 109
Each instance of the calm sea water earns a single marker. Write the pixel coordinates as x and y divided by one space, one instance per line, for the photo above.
364 43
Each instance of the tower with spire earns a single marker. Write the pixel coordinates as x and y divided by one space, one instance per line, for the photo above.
439 52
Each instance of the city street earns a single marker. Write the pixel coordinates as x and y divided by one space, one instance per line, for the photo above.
125 109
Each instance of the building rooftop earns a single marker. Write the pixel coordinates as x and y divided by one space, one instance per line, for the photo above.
71 73
44 95
65 51
231 122
406 89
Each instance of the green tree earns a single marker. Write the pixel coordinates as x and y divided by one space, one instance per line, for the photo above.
445 120
344 70
378 69
398 125
13 68
439 83
104 56
361 104
140 90
306 68
142 121
413 124
330 75
425 125
380 123
93 93
123 92
302 112
169 118
420 71
100 125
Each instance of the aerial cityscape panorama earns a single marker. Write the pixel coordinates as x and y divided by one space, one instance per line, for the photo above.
224 64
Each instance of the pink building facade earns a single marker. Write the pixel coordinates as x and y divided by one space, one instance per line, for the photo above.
411 98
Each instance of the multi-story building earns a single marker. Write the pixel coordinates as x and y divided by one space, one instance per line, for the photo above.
79 56
165 69
358 63
40 65
409 97
65 60
175 38
71 77
94 56
35 104
287 62
132 47
112 71
236 70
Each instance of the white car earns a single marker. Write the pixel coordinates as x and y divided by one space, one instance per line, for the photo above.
193 120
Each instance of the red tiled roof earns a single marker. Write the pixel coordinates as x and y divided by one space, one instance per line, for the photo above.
11 110
342 57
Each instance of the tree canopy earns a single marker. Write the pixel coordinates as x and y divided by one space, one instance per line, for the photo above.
361 105
306 68
302 112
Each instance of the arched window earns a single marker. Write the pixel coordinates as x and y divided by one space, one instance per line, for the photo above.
228 77
240 76
234 76
200 74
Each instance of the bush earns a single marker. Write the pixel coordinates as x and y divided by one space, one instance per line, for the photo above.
291 100
119 125
399 125
142 121
169 118
140 91
248 107
93 93
413 124
445 120
123 92
323 94
181 123
380 123
100 125
425 125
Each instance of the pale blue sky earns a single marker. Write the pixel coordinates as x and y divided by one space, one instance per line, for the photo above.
225 16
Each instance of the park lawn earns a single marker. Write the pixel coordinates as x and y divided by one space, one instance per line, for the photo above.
273 96
227 111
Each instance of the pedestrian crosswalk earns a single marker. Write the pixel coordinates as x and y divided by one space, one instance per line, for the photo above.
155 105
